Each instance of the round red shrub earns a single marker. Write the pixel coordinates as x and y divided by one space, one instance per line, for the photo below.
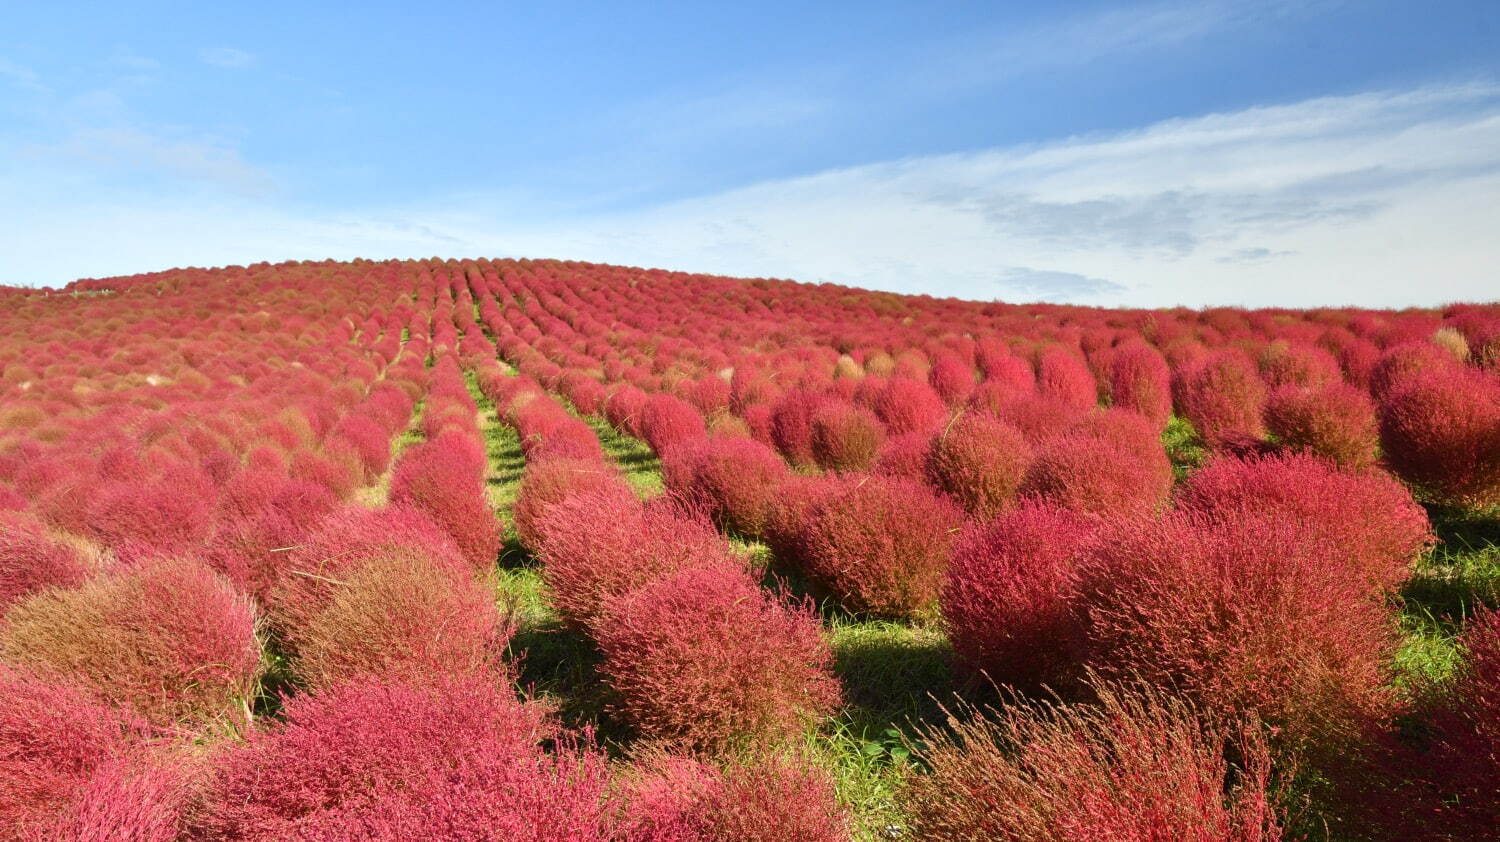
880 544
952 379
1010 598
792 425
1440 430
667 420
909 406
739 480
763 799
170 639
1286 364
704 658
1367 519
1038 416
1407 360
54 740
547 481
403 616
1090 473
31 559
1063 376
1336 422
172 513
905 456
597 547
1244 615
444 479
1223 397
980 461
845 437
1141 381
390 761
1140 765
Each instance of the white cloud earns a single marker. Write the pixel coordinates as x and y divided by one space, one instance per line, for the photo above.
226 57
1378 199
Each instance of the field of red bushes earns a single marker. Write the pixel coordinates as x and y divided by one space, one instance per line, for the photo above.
542 550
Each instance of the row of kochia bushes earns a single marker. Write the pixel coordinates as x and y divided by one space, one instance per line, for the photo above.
1417 391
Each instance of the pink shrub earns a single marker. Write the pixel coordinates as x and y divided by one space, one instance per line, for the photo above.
952 379
845 437
444 479
1223 396
792 425
738 480
702 657
54 740
667 421
1287 364
389 761
1062 376
980 461
905 456
1408 360
1243 615
880 544
1138 766
170 639
680 799
31 560
1141 381
1336 422
172 513
1367 520
1440 430
1038 416
547 481
1089 473
1010 598
598 547
401 616
367 439
910 406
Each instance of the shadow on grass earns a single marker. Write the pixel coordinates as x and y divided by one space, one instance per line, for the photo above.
1462 573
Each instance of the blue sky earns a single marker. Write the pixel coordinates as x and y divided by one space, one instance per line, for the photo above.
1122 154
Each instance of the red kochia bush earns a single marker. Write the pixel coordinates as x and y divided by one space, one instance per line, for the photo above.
1063 376
845 437
1440 431
1243 615
1336 422
31 560
952 378
171 639
910 406
402 615
1367 520
1141 381
1464 761
880 544
704 658
444 479
1091 473
1223 396
391 761
738 480
770 799
597 547
547 481
54 741
1138 766
792 424
980 461
1010 599
666 421
172 513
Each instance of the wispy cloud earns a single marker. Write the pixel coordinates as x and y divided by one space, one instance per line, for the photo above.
22 77
1384 198
228 57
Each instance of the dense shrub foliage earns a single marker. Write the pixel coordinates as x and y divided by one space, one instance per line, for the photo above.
283 548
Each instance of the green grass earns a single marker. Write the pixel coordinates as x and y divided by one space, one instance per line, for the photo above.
1183 446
